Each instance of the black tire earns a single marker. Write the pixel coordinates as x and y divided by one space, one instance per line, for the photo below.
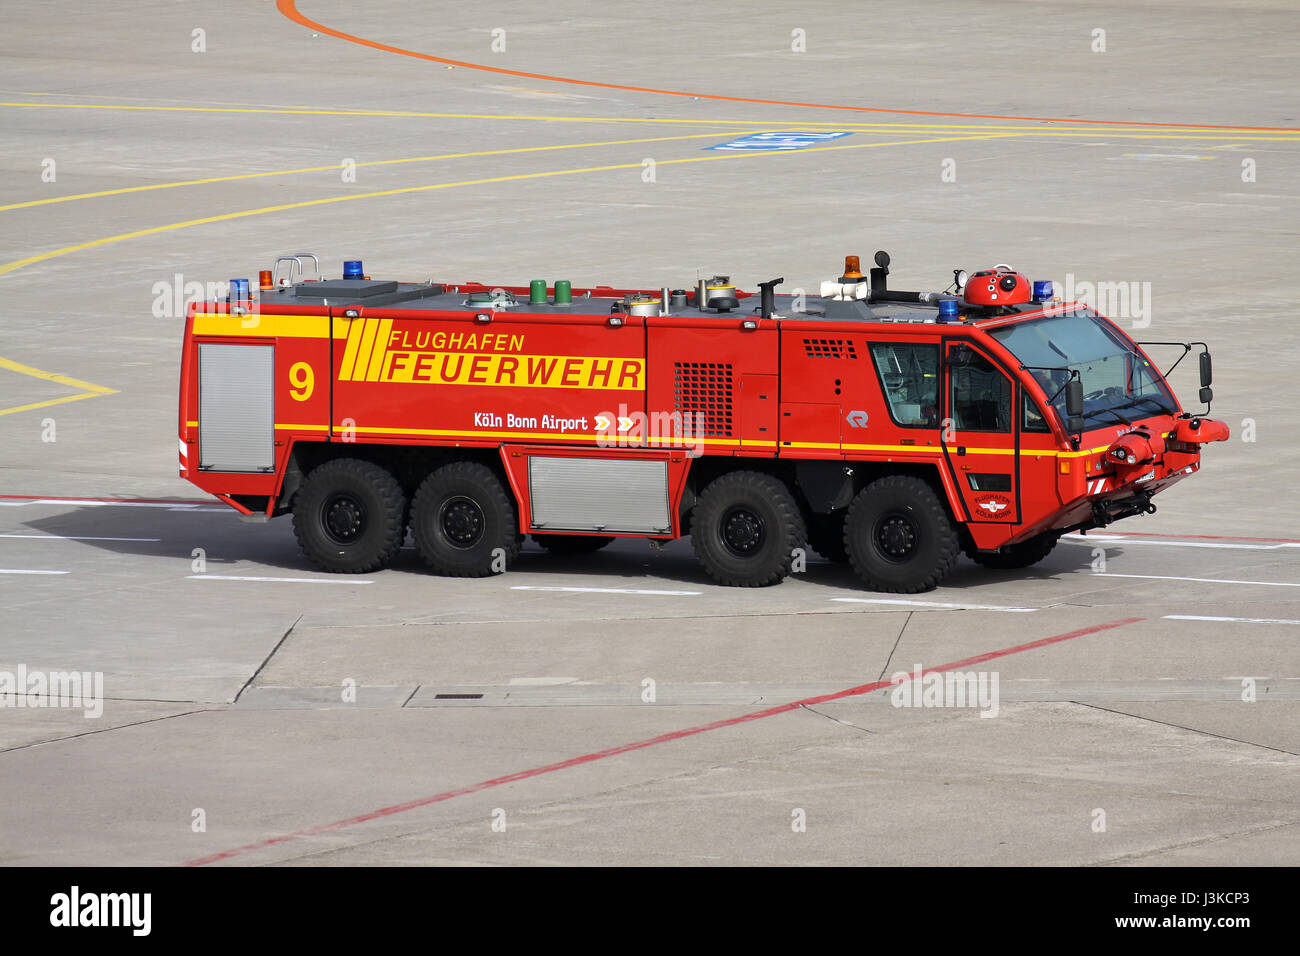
460 516
571 543
1020 555
348 516
899 536
745 529
826 536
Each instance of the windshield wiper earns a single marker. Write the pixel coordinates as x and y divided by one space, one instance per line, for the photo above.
1134 402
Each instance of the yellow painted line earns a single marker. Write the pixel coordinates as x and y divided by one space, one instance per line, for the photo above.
336 167
776 124
224 217
89 389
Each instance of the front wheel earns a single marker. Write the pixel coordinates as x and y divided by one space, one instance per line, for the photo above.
464 522
899 537
746 528
348 516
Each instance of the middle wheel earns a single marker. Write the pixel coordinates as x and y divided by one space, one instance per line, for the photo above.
746 528
464 522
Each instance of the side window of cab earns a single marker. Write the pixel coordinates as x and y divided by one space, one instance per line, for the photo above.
981 397
1032 418
909 377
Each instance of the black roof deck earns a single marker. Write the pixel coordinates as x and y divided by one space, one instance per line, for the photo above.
408 296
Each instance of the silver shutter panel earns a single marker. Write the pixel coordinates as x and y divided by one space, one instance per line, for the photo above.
599 494
236 407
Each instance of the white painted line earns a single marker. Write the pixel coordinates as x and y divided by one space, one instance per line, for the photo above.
533 587
1240 620
59 537
939 604
541 681
341 579
1094 539
92 503
1165 577
25 571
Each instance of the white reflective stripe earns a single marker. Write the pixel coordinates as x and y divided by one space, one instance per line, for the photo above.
184 448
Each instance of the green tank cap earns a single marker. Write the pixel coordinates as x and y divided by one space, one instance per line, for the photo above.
537 292
563 292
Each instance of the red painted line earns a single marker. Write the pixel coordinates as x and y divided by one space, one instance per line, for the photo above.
289 9
641 745
143 501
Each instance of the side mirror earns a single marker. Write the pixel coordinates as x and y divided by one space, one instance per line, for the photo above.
1207 370
1074 404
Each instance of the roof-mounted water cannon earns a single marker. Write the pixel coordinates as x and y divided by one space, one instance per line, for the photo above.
998 286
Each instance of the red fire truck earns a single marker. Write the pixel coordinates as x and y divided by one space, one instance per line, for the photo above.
887 428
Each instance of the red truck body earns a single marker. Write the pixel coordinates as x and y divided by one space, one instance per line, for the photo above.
605 417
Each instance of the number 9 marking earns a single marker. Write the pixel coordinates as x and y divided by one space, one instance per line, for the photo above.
302 381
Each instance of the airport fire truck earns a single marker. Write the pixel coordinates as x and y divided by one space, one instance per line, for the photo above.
889 429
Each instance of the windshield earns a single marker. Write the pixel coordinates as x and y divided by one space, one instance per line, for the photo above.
1119 385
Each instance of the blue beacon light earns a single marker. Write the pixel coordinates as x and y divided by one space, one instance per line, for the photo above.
352 269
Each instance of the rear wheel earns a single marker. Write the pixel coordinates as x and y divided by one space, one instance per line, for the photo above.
745 529
348 515
572 543
1020 555
899 537
464 522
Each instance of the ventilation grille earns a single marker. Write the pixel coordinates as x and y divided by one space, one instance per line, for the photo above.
830 348
706 388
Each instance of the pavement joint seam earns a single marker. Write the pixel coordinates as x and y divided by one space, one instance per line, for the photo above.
105 730
267 660
885 669
1238 740
1213 838
836 719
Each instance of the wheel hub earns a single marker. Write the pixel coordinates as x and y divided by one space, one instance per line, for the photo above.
344 518
462 522
896 537
742 531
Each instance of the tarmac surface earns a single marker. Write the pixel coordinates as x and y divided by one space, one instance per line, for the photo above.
621 708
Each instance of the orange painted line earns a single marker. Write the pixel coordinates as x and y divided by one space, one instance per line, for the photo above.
289 9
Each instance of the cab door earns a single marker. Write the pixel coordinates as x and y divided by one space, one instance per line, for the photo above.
981 434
